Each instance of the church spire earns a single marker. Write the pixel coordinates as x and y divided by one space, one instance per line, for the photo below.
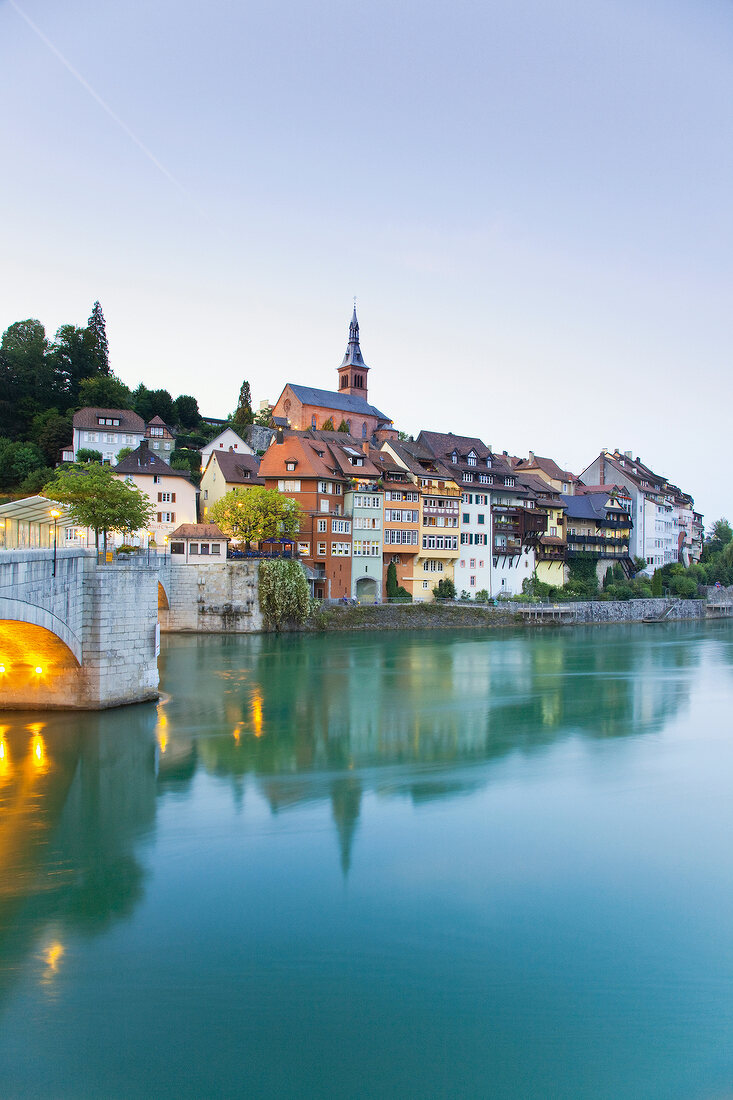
353 370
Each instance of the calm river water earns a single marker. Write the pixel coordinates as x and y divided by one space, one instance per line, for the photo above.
379 865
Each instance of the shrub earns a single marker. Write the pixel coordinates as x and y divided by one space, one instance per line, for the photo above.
444 589
283 592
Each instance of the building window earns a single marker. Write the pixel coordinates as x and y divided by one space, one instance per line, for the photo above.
304 549
156 479
340 549
177 548
313 422
288 486
323 525
425 584
341 526
322 549
472 582
193 549
290 466
472 460
324 505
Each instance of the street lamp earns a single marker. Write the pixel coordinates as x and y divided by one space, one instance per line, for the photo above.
55 514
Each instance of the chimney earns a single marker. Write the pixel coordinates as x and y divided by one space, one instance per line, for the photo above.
365 447
602 474
629 454
531 457
279 438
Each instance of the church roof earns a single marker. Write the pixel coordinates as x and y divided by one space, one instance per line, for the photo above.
332 399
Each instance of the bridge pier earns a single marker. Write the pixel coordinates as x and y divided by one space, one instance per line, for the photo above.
84 639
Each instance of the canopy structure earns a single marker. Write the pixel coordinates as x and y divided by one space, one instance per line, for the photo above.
29 523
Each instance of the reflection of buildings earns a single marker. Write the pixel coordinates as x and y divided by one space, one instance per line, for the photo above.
306 717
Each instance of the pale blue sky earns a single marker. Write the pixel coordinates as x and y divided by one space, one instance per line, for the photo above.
532 201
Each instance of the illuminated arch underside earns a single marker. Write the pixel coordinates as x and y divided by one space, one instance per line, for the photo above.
26 646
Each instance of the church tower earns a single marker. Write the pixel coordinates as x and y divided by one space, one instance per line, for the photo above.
353 370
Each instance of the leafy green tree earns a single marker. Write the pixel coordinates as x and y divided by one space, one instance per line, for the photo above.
98 499
88 454
327 425
73 359
657 583
283 592
122 454
391 581
445 589
608 578
52 431
17 461
104 391
343 427
33 482
243 414
252 515
97 342
187 411
263 418
29 382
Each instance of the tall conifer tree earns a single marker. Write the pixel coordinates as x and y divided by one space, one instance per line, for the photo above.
97 332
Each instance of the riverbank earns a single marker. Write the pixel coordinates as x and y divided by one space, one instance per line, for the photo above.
438 616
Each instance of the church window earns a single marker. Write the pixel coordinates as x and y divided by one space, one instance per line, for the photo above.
363 431
313 421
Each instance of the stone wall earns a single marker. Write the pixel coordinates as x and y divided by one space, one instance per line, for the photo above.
90 629
470 615
212 598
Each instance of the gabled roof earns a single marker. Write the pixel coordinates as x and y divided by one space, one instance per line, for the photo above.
332 399
444 443
548 466
198 531
215 440
313 459
608 489
238 469
142 462
129 420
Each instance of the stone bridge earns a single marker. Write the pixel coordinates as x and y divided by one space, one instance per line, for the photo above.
76 634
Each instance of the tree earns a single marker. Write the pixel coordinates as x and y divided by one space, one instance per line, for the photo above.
391 581
343 427
28 379
98 499
283 592
52 432
73 359
104 391
445 589
88 454
122 454
17 461
327 425
244 415
97 340
187 411
657 583
264 417
252 515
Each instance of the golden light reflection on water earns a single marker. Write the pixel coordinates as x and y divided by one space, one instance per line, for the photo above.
257 713
161 730
39 756
51 958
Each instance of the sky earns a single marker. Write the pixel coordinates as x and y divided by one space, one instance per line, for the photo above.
530 200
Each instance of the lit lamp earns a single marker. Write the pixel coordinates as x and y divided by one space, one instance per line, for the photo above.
55 514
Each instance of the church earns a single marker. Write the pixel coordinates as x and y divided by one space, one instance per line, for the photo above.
303 407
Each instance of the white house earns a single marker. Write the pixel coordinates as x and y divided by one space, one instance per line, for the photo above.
171 492
106 431
198 544
226 441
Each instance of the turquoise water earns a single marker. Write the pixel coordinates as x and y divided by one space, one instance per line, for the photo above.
379 865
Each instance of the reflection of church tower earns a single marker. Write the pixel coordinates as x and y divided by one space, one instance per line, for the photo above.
353 370
345 804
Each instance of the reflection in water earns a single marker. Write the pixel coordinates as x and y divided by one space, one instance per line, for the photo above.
318 723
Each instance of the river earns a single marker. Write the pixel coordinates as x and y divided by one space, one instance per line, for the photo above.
379 865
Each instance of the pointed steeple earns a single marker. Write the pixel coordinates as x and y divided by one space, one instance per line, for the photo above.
353 370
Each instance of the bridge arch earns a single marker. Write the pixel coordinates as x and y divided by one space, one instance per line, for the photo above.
20 611
163 604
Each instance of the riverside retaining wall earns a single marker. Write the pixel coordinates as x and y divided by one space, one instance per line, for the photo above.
211 598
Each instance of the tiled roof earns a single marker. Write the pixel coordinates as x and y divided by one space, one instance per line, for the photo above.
198 531
548 466
304 452
444 443
129 420
332 399
238 469
143 461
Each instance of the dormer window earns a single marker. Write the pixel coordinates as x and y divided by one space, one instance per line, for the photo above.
290 465
472 459
454 457
357 461
509 481
488 462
